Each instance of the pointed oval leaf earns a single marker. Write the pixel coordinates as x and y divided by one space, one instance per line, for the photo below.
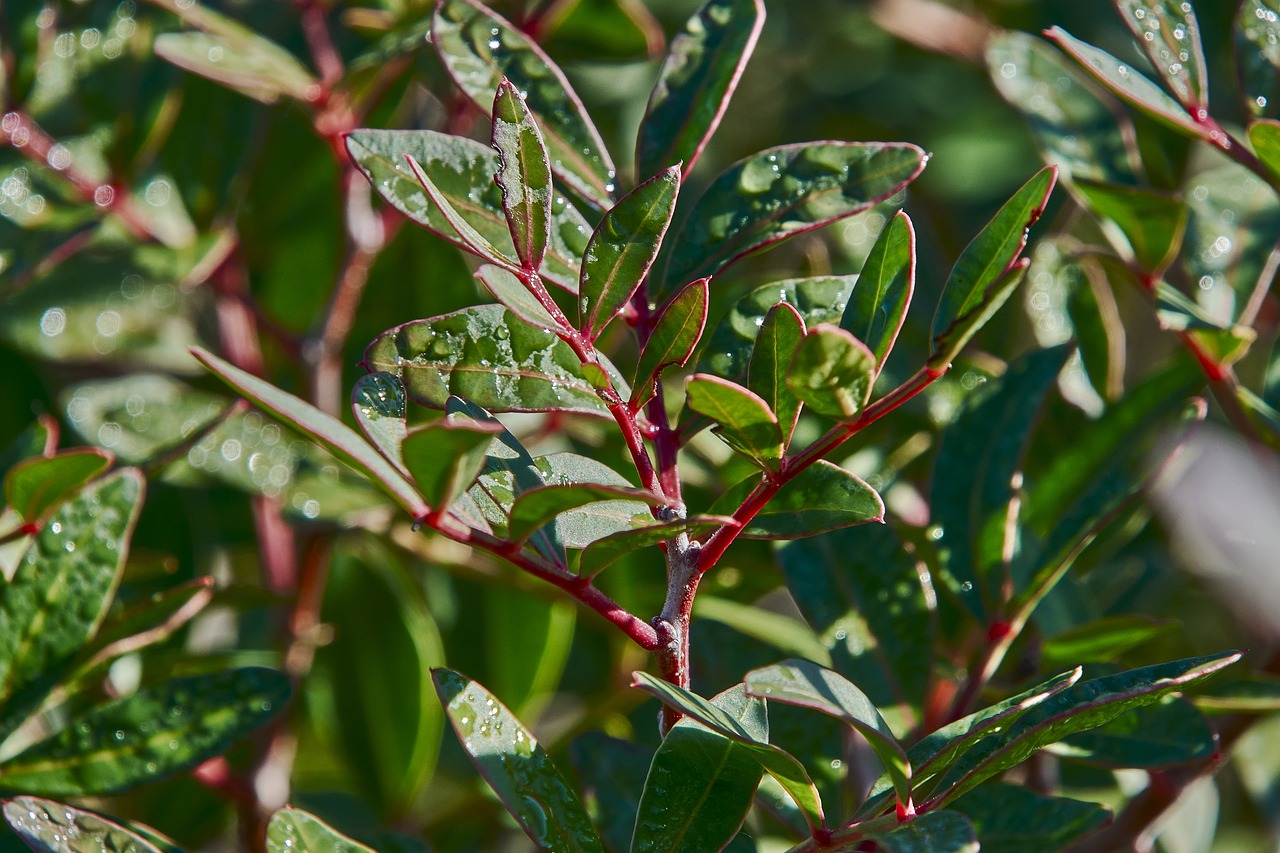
479 48
524 175
622 249
245 61
463 170
445 457
832 372
674 337
151 734
1251 694
295 831
40 438
784 191
490 356
380 408
1167 32
515 296
780 336
48 826
604 552
34 486
536 507
470 239
1150 223
697 79
878 307
1168 733
1002 814
956 338
516 766
746 423
1256 39
822 497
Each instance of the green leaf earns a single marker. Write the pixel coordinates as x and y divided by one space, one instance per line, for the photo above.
445 457
380 408
702 68
1256 39
516 767
1013 819
538 506
935 832
151 734
1234 219
701 783
780 335
527 643
865 598
152 621
1167 733
464 171
1252 694
949 346
675 335
613 772
781 192
515 296
50 827
490 356
339 438
604 552
34 486
1224 344
1264 136
820 498
786 633
479 49
1075 128
778 763
524 176
61 589
1101 641
295 831
808 685
1167 31
239 59
1131 86
875 313
469 238
1146 226
40 438
622 248
974 488
832 372
975 278
746 423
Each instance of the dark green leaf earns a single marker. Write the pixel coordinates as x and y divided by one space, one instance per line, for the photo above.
527 644
538 506
295 831
1223 344
1264 136
935 832
445 457
490 356
989 257
524 176
34 486
147 623
674 337
832 372
1234 219
1256 37
1102 641
784 191
463 170
239 59
479 49
515 766
603 552
1168 32
622 248
702 68
613 774
1150 224
878 307
820 498
780 335
38 439
746 423
947 348
149 735
1253 694
515 295
468 236
1167 733
1013 819
49 827
380 408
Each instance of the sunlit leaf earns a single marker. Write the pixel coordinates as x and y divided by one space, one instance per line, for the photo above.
787 633
50 827
1168 33
878 307
470 238
603 552
34 486
674 337
238 58
445 457
516 297
542 505
935 832
1234 219
295 831
1146 225
1252 694
745 421
820 498
524 176
1167 733
1256 39
832 372
1103 640
950 345
380 408
780 335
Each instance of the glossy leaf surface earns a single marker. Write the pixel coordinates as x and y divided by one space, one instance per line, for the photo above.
147 623
603 552
295 831
820 498
745 422
950 345
513 294
1169 733
780 335
878 307
50 827
674 337
515 765
468 236
1008 818
1150 224
1168 33
832 372
380 408
445 457
34 486
524 175
535 507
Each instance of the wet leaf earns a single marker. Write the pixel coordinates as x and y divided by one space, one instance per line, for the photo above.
1167 32
1013 819
380 408
1146 226
542 505
490 356
149 735
703 65
295 831
878 307
603 552
515 296
34 486
1165 734
516 767
780 336
150 622
781 192
469 238
1235 216
832 372
1101 641
463 170
445 457
239 59
674 337
745 422
49 827
622 248
1256 39
820 498
524 176
935 832
479 49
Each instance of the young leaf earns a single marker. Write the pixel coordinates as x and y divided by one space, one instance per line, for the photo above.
697 79
780 335
151 734
48 826
808 685
34 486
701 783
239 59
1150 223
463 170
674 337
1167 31
1013 819
329 431
515 296
479 49
991 255
832 372
781 192
471 239
516 767
1264 136
445 457
604 552
622 249
950 345
746 423
820 498
490 356
875 313
935 832
1256 39
538 506
524 176
380 409
295 831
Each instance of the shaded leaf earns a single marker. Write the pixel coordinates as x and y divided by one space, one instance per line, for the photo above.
527 644
613 774
780 335
935 832
1167 733
40 438
1234 219
380 408
1167 31
786 633
1145 225
1264 136
445 457
878 307
1253 694
1101 641
1012 819
515 296
295 831
239 59
516 767
820 498
538 506
524 176
34 486
674 337
1224 344
1256 39
603 552
832 372
49 827
745 422
145 624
